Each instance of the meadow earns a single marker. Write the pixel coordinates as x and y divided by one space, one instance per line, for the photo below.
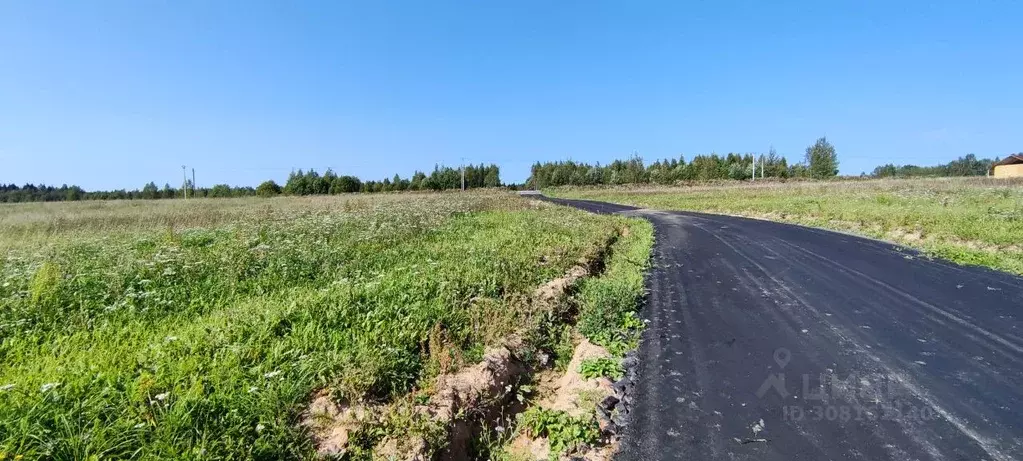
200 329
975 221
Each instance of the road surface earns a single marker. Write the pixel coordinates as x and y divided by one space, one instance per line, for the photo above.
769 341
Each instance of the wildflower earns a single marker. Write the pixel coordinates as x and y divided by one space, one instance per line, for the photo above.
46 387
253 389
140 425
272 374
162 397
170 339
6 387
260 427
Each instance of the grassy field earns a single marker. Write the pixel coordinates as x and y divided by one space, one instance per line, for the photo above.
966 220
200 329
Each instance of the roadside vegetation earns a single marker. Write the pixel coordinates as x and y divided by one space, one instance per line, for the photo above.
967 220
201 329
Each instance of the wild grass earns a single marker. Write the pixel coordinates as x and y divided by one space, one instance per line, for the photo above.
966 220
198 330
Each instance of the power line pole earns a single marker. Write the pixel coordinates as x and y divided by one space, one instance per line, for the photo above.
463 174
193 182
184 181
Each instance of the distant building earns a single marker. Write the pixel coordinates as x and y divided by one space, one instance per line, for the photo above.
1009 167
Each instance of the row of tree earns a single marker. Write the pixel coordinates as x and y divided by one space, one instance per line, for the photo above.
820 162
312 183
299 183
968 165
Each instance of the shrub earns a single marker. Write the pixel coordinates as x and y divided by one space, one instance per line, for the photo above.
602 367
564 432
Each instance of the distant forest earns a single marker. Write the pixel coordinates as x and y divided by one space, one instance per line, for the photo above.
299 183
820 162
733 166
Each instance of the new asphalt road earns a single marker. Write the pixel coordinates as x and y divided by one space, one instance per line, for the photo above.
769 341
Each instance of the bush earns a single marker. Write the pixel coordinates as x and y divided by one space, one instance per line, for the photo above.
565 433
268 189
602 367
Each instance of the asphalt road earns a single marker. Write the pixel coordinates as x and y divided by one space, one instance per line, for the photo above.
768 341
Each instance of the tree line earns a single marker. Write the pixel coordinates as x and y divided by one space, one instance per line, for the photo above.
820 162
311 183
968 165
299 183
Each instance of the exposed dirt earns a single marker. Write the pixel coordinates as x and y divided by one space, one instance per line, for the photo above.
554 290
577 396
332 423
464 401
479 390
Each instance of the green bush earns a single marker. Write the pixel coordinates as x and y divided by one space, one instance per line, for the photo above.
564 433
602 367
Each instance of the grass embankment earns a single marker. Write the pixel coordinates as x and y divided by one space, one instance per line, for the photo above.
969 221
201 329
607 307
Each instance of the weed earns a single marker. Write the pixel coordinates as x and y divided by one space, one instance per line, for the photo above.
602 367
564 432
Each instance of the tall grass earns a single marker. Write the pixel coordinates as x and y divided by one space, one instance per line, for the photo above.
199 329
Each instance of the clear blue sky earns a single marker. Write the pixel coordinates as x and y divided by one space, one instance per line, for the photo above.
112 94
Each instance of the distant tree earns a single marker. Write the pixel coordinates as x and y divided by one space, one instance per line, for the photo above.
821 159
492 178
268 189
417 180
220 191
150 192
798 170
74 193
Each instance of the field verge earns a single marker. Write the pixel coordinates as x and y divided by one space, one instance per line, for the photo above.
203 331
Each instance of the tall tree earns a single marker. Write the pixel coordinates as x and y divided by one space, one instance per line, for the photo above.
821 159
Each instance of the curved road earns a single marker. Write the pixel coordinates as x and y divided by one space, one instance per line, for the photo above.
769 341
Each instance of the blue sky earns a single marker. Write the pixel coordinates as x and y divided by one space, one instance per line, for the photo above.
112 94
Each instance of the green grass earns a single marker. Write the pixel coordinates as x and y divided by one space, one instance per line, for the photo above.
199 330
967 220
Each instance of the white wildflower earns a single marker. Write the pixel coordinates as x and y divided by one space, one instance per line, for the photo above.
168 271
170 339
260 427
253 389
6 387
140 425
46 387
272 374
162 397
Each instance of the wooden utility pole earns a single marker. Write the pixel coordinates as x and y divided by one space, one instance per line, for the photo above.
193 182
463 174
184 182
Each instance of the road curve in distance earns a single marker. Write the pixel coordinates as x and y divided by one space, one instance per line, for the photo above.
770 341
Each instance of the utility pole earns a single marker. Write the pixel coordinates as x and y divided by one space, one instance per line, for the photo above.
184 181
762 160
193 182
754 168
463 174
